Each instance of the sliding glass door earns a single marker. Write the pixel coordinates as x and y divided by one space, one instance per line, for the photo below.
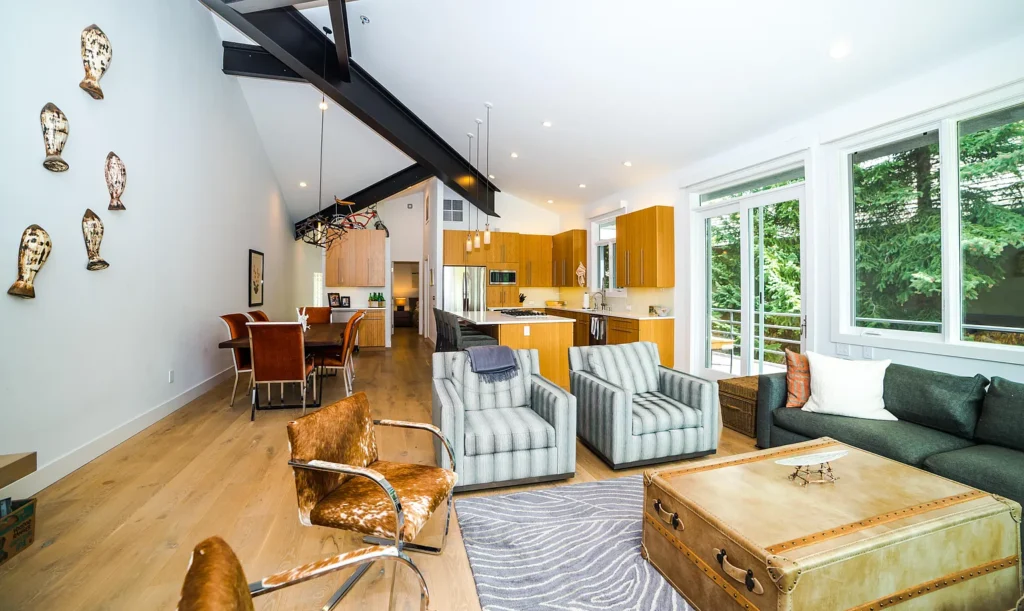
753 305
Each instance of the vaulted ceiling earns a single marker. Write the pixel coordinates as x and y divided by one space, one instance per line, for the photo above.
656 83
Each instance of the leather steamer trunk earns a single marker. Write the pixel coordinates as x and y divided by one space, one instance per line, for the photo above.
737 533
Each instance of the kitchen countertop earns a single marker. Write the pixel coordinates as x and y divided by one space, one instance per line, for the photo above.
490 317
612 314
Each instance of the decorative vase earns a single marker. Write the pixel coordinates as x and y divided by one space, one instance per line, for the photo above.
92 231
96 54
55 136
35 248
116 178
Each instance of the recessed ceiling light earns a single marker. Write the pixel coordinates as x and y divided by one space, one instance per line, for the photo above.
628 164
491 176
583 186
840 49
546 124
551 201
515 155
302 184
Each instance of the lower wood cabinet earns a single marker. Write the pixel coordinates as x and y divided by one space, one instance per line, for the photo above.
661 331
371 330
502 296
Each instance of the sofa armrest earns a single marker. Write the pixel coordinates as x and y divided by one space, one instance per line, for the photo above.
448 414
557 408
771 395
604 414
697 393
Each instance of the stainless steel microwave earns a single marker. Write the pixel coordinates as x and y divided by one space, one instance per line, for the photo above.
502 277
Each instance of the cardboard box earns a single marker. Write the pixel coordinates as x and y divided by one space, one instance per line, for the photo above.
17 530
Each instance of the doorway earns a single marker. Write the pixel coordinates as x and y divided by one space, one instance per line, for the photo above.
405 294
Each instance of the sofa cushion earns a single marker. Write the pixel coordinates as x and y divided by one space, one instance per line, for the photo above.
654 412
633 366
990 468
903 441
506 429
1002 415
933 399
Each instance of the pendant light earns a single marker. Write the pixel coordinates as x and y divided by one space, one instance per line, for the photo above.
476 238
469 234
487 172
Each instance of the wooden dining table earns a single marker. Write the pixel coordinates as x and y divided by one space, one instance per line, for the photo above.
319 335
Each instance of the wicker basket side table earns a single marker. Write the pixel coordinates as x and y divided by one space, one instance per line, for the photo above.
738 400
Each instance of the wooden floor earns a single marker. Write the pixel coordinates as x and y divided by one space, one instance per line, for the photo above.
117 533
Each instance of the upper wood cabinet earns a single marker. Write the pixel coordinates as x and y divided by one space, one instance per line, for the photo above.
569 249
504 248
535 253
645 248
455 249
357 259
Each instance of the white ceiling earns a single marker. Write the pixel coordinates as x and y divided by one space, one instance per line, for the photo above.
658 83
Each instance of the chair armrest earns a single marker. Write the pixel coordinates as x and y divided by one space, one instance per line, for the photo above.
448 414
557 408
377 478
326 566
771 395
697 393
603 414
423 426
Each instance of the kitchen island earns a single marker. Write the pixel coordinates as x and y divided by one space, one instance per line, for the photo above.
551 336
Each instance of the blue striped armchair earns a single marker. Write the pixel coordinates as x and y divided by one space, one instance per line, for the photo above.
519 431
634 412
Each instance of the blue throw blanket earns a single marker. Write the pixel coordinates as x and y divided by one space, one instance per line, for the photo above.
492 363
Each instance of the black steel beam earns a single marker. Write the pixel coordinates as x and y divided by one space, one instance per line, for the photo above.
300 46
251 60
377 192
342 45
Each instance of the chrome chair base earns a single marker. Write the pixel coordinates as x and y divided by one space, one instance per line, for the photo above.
348 585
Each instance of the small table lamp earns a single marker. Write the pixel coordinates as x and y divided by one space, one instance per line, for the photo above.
400 303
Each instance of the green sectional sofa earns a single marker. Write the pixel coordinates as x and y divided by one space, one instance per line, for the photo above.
963 428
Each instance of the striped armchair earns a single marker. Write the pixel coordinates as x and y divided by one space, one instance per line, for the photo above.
516 432
634 412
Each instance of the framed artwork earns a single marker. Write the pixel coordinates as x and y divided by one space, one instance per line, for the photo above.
334 299
346 302
255 278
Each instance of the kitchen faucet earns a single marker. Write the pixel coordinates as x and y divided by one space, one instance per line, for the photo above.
601 294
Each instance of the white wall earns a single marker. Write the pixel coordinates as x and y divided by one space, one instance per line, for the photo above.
516 215
983 71
85 364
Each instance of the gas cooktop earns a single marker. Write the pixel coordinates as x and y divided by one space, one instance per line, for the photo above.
522 313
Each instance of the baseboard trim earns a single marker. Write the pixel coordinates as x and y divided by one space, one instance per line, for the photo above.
59 468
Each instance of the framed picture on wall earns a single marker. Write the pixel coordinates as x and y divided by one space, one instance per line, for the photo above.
346 302
334 299
255 278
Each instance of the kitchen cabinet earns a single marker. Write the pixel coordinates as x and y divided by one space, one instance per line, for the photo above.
645 248
502 296
535 266
569 249
504 248
454 250
371 329
357 259
581 330
661 331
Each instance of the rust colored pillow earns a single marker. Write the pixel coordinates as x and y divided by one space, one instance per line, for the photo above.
798 379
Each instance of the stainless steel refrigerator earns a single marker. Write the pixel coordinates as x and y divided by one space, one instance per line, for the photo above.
465 289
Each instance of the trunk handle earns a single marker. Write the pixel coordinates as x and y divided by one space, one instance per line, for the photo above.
745 577
668 518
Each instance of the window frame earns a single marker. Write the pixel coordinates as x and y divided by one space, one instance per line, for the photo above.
593 282
838 171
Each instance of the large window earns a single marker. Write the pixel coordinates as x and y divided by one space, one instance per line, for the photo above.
897 235
937 233
606 280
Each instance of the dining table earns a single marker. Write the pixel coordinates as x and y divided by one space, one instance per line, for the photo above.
317 337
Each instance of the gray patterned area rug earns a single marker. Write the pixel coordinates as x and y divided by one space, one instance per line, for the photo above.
573 547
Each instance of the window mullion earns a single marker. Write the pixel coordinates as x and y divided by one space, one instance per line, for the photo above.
949 182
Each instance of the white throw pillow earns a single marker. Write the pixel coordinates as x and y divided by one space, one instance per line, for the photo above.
847 388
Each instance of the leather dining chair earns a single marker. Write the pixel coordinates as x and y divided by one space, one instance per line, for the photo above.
258 316
316 316
345 361
278 357
215 580
340 481
240 357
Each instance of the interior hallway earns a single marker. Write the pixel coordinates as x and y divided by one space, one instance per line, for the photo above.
118 533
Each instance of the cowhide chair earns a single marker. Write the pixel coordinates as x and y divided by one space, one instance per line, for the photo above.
316 315
341 482
240 357
215 580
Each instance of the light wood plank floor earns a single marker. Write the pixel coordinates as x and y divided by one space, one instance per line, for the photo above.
117 533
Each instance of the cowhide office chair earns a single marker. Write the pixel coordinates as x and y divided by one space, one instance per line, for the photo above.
316 316
279 357
215 580
240 357
258 316
341 482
